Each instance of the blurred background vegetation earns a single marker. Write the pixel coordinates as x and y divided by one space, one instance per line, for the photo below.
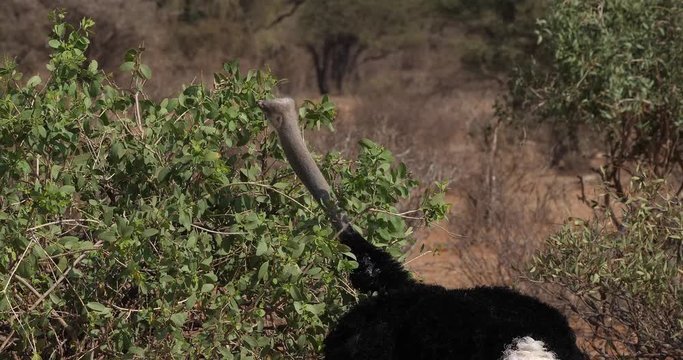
558 124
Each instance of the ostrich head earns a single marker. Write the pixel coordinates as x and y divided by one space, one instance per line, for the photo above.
280 113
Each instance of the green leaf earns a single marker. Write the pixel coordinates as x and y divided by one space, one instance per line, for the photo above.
59 29
262 247
41 131
92 68
263 271
67 189
211 156
33 81
149 232
118 150
184 219
191 301
98 308
145 71
54 43
127 66
162 175
135 350
179 319
107 236
165 279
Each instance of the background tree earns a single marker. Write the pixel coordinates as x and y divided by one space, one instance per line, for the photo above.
337 34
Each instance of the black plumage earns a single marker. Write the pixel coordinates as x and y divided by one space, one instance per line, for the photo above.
410 320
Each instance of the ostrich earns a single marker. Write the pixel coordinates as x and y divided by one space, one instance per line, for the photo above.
410 320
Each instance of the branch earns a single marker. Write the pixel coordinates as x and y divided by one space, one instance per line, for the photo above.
281 17
378 56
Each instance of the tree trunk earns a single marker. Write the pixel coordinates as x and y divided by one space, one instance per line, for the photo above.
334 60
320 64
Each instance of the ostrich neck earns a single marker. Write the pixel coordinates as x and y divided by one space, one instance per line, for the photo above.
306 169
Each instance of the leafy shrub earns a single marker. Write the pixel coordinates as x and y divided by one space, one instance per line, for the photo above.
613 65
131 227
628 280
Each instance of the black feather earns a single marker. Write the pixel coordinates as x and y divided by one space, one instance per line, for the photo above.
377 270
409 320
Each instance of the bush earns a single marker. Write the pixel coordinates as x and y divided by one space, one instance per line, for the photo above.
614 66
628 279
131 227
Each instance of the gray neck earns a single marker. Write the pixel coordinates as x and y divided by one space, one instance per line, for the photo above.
306 169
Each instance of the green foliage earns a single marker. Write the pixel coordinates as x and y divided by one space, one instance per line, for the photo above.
629 279
613 65
134 228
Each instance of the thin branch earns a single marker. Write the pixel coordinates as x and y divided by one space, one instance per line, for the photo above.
378 56
582 197
269 187
218 232
417 257
450 233
14 269
401 215
283 16
62 221
61 278
137 115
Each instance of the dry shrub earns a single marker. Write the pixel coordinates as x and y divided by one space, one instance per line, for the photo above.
622 272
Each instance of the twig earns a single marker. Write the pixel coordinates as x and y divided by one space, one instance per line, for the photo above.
401 215
14 269
218 232
137 115
273 189
62 221
450 233
417 257
491 174
285 15
582 197
37 166
123 123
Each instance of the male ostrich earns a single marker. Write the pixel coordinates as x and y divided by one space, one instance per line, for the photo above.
410 320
